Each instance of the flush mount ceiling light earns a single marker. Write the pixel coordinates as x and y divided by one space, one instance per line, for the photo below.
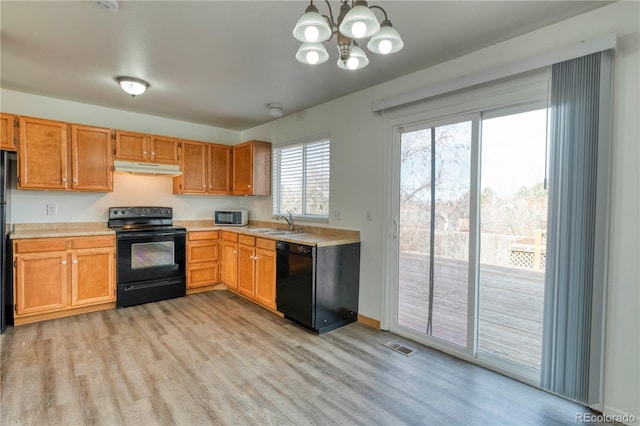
132 86
111 5
275 110
355 21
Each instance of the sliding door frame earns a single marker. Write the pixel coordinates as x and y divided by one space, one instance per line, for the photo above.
420 122
394 127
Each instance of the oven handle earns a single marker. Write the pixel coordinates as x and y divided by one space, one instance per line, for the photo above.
131 235
130 287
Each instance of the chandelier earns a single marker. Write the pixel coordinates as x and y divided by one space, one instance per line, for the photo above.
356 21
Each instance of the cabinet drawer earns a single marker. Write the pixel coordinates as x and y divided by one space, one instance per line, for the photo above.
229 236
38 245
203 235
200 275
265 244
246 240
202 251
92 242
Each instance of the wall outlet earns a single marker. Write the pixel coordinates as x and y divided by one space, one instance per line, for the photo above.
337 214
52 209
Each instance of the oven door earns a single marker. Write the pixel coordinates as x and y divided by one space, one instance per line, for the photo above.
150 255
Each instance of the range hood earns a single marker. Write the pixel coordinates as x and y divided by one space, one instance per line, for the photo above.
148 169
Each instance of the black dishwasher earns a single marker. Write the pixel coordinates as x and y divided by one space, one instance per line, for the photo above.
317 287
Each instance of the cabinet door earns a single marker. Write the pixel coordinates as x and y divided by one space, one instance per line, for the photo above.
131 146
7 132
164 150
229 265
92 276
246 265
242 169
42 160
266 277
219 169
202 251
41 283
202 274
91 159
252 168
193 165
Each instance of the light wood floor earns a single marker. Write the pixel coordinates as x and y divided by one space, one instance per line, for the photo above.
214 358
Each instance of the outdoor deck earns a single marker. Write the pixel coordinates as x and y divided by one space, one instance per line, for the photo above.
511 300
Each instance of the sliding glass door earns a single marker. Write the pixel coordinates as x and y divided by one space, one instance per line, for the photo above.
513 224
433 230
471 211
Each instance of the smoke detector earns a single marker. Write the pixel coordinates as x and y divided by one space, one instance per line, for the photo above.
111 5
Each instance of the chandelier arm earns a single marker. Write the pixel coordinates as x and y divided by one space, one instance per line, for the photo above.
383 11
331 21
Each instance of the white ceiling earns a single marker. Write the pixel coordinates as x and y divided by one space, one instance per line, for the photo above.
222 62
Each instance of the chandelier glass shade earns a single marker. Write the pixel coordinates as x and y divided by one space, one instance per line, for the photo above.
312 53
355 21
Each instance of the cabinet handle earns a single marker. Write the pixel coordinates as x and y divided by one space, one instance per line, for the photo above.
64 179
75 181
74 261
144 152
64 262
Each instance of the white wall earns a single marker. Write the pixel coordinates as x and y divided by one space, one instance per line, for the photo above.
31 206
360 156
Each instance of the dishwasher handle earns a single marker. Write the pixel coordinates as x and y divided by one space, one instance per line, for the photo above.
293 248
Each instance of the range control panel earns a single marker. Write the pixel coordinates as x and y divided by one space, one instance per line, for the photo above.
138 212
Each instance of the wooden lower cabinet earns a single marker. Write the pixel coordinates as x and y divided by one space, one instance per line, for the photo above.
257 270
57 277
41 283
229 260
203 268
265 290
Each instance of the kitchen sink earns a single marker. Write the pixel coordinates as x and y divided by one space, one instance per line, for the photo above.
273 231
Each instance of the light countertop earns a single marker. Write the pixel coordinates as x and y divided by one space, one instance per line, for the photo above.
314 236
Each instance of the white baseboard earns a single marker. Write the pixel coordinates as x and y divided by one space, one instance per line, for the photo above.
613 415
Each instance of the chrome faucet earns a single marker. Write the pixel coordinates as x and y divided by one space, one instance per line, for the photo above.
288 219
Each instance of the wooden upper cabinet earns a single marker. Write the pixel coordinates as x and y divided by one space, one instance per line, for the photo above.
193 165
8 135
91 159
219 169
252 168
163 150
205 169
132 146
42 157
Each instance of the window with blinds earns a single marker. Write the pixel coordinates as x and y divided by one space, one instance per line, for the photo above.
301 178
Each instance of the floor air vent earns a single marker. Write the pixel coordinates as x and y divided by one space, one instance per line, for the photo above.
399 348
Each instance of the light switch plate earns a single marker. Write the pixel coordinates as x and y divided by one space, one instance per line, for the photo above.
52 209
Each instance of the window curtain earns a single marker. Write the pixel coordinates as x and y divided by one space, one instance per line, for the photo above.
578 136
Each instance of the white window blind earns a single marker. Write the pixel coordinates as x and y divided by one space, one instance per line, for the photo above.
301 179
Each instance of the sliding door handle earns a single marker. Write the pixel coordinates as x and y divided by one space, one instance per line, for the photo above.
396 228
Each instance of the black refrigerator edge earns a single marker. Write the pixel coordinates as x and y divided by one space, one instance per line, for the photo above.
6 289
